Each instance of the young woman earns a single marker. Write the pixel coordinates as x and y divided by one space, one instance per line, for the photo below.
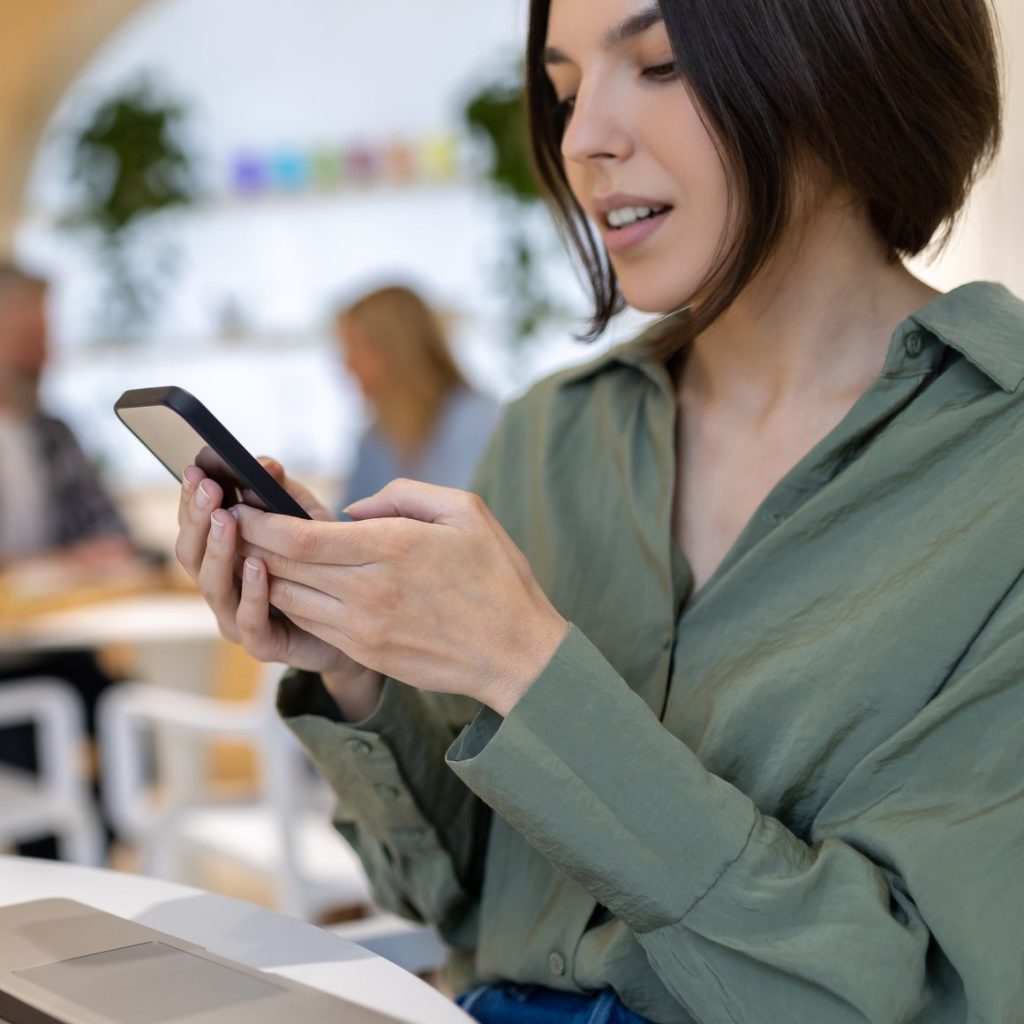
710 707
428 424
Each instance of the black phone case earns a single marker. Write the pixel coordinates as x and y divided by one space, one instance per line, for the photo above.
243 465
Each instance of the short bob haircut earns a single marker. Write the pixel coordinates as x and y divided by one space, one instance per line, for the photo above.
900 100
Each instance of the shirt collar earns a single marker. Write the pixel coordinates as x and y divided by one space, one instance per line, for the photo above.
635 353
984 322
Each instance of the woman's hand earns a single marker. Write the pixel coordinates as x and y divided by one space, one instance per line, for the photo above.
207 549
425 587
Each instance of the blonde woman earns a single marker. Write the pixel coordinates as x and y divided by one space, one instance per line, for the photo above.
428 423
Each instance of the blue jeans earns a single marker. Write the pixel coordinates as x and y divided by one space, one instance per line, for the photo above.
534 1004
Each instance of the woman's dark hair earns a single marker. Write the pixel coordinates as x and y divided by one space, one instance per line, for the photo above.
898 99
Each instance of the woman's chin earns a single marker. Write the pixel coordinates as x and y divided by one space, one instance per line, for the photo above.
644 292
656 303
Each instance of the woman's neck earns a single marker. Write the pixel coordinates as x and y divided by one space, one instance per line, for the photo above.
817 320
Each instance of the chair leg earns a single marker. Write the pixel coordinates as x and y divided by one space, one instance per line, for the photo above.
55 711
160 858
81 841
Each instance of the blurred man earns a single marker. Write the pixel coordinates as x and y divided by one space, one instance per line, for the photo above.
54 513
51 502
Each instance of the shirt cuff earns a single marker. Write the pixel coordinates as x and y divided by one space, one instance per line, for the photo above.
387 771
584 769
355 759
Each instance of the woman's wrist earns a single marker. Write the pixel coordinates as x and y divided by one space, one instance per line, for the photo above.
529 664
356 694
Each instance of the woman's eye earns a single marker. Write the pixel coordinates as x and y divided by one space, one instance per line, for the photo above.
565 107
662 72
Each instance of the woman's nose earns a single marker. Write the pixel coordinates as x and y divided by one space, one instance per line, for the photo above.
593 131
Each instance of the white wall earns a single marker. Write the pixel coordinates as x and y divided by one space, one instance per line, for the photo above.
990 241
263 74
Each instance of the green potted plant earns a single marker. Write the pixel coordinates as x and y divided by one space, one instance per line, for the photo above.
496 115
129 164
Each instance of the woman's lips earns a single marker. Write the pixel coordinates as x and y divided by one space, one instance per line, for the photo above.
620 239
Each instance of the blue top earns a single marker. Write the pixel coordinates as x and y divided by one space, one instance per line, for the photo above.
448 459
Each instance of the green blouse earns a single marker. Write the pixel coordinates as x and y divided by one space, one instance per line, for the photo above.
796 797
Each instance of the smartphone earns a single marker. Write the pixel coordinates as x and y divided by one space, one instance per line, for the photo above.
181 432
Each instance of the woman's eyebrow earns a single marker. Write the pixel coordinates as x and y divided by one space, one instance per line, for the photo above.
634 25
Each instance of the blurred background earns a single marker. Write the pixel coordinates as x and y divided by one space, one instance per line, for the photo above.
326 146
309 166
205 184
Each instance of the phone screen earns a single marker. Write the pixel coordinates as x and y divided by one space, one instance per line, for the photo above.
177 445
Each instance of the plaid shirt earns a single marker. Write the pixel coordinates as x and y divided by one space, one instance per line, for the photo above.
80 509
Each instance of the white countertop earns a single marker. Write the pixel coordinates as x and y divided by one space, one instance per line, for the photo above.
241 931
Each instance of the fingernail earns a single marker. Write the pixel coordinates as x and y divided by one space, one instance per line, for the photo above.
203 496
252 572
190 478
217 523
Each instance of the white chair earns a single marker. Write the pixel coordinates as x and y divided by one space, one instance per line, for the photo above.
56 800
284 833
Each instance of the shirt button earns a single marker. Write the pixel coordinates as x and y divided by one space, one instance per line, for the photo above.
914 344
388 793
360 748
556 964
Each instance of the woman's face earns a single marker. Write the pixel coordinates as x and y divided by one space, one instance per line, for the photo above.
23 330
637 155
362 359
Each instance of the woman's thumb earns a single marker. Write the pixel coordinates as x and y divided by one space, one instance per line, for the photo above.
411 499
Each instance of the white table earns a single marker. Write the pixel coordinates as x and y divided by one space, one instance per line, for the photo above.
174 635
144 618
241 931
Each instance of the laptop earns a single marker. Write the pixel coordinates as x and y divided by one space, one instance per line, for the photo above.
62 962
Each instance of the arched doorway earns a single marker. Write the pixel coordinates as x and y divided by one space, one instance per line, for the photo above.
46 43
